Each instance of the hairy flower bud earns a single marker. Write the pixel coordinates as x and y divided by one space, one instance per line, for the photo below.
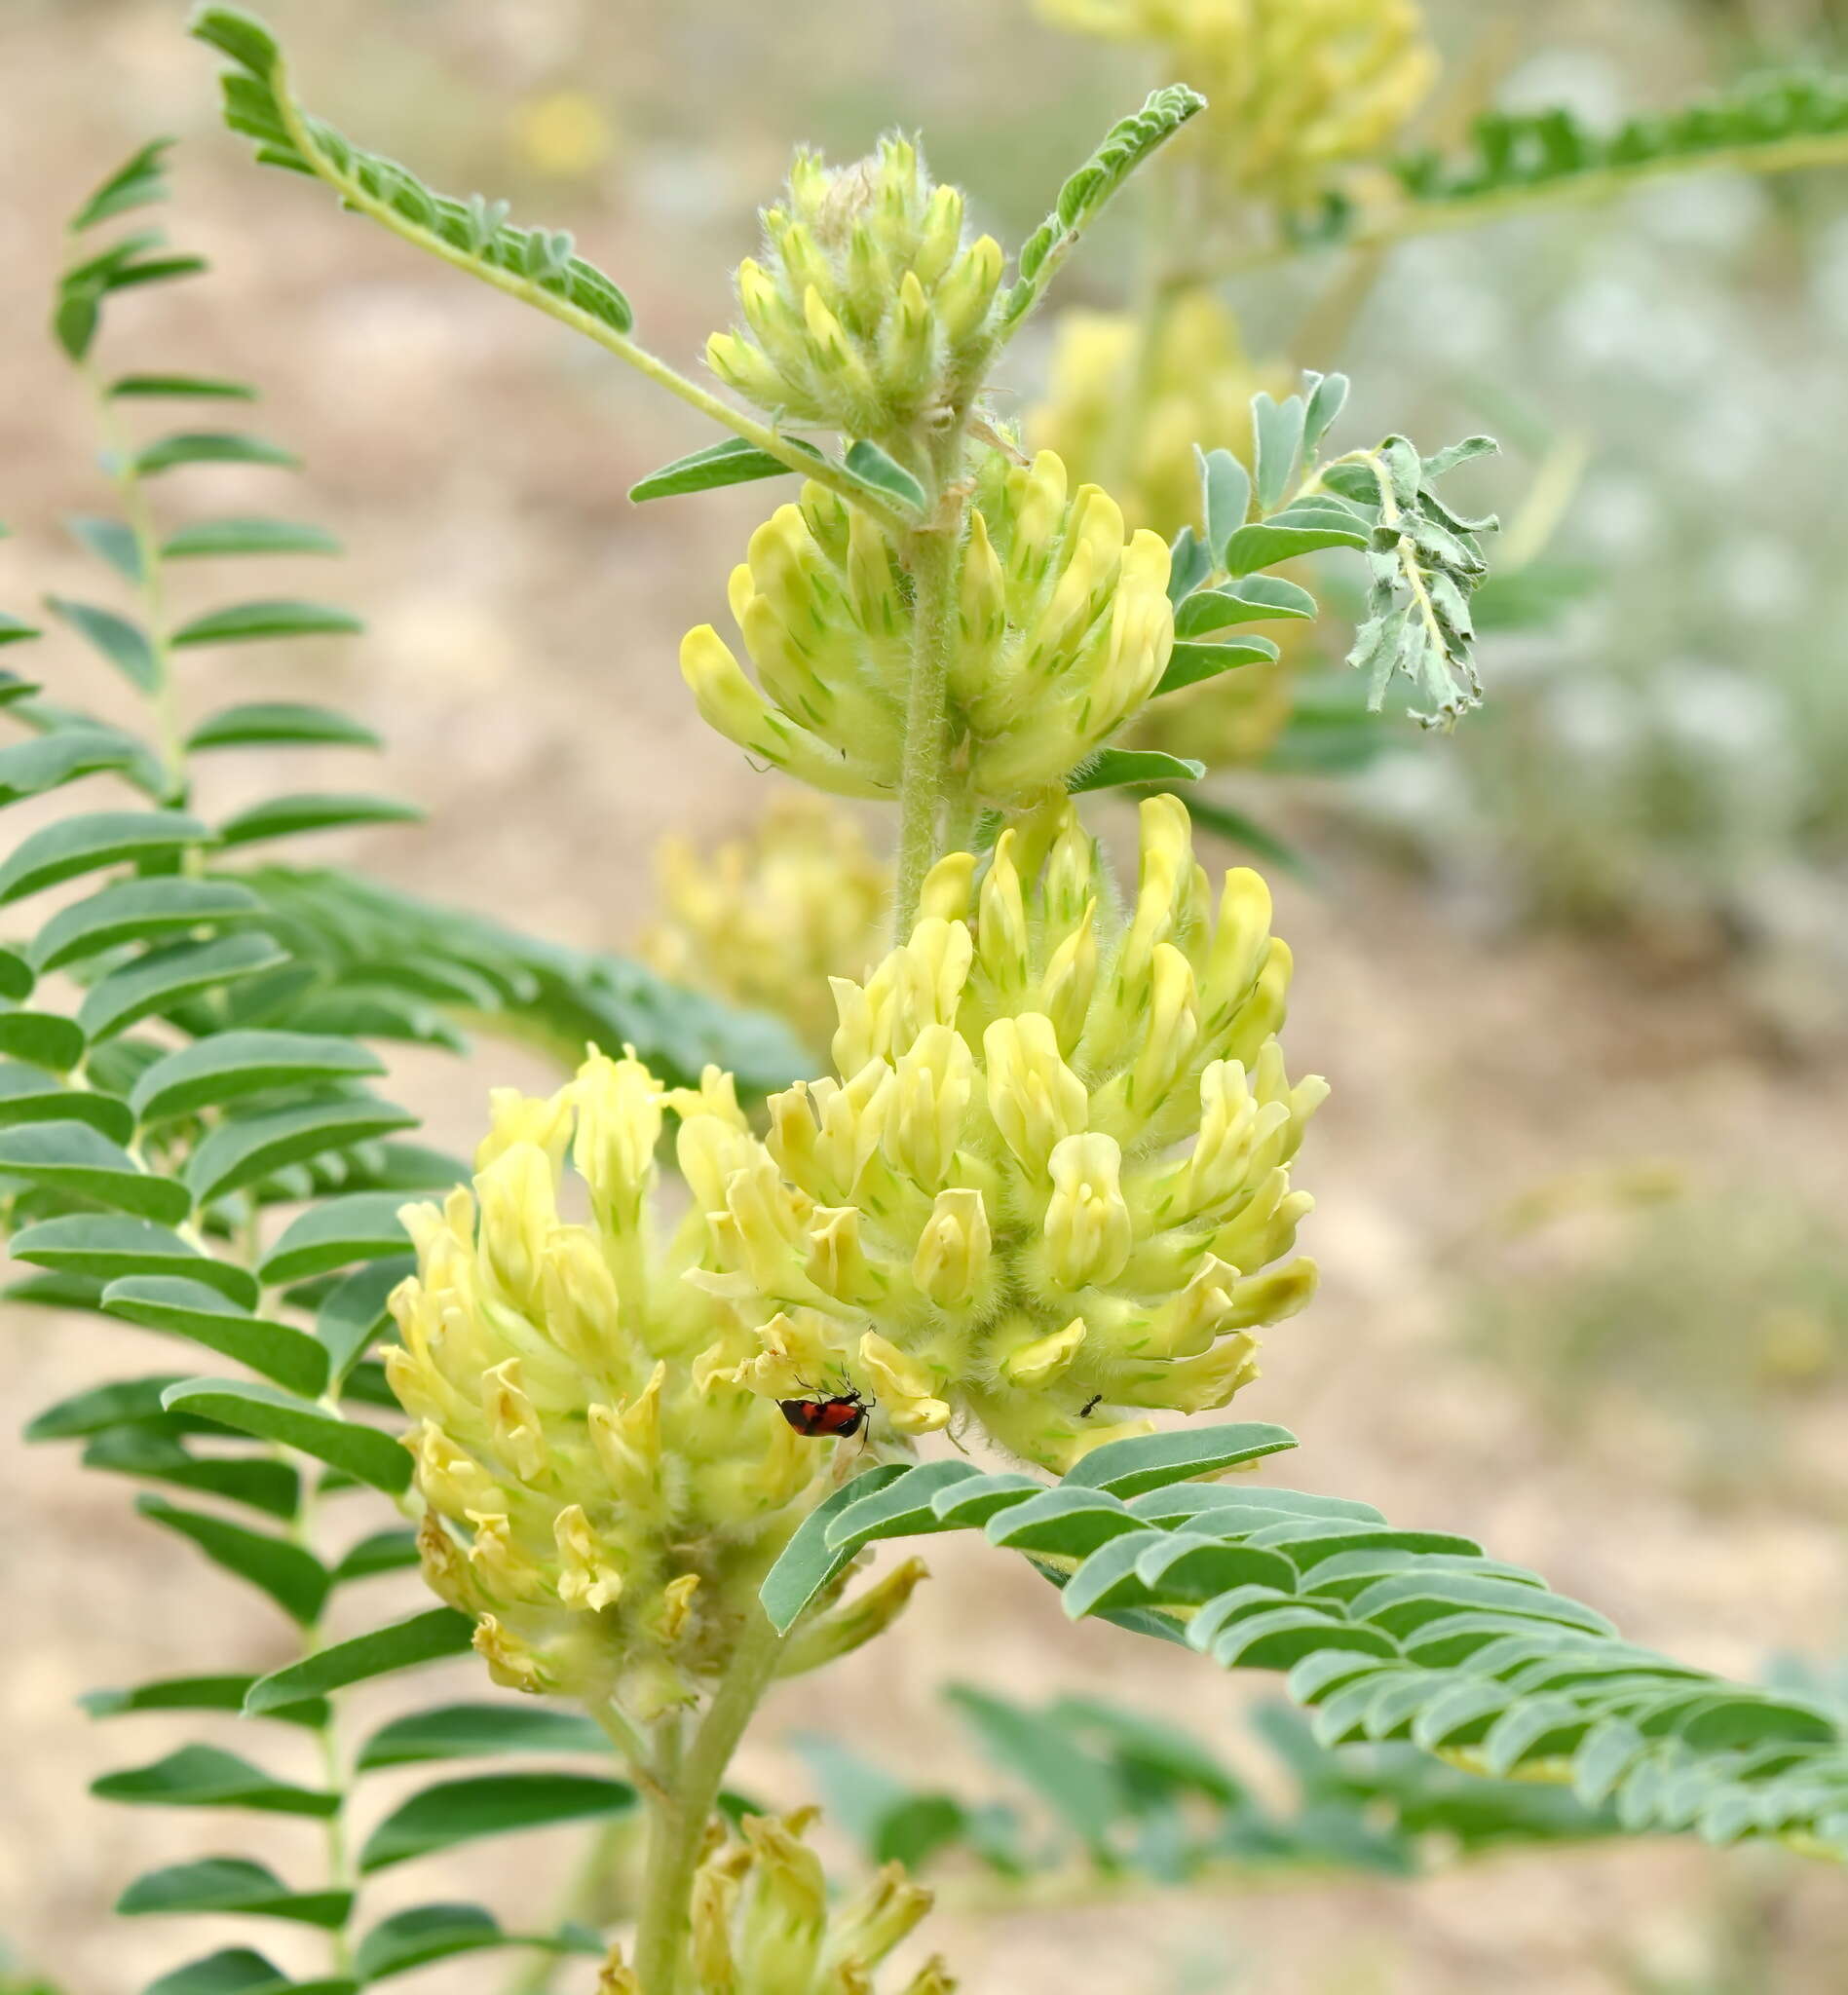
1063 631
762 1923
1051 1230
868 308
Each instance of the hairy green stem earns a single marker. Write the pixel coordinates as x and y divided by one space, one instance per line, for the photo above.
924 771
762 434
686 1792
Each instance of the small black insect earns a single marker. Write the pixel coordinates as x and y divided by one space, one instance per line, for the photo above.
1090 1405
838 1415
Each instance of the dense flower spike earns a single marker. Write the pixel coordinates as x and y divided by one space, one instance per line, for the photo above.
869 312
761 1923
1297 87
1051 1174
766 920
604 1518
1063 627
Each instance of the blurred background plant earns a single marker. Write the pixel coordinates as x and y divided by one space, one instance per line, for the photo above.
1602 921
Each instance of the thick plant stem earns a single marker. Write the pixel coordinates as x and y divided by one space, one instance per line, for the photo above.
924 768
688 1790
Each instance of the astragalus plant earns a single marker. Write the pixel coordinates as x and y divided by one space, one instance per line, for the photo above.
673 1354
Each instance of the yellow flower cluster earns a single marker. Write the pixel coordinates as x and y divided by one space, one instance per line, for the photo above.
766 920
1131 419
1297 87
1064 628
606 1520
761 1923
868 310
1049 1176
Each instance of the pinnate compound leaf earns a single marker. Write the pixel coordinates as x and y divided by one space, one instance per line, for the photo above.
426 1637
363 1452
1083 197
492 1804
292 1576
536 264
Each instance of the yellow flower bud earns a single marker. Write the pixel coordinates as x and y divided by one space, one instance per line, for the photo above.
761 1922
953 1250
1088 1229
865 311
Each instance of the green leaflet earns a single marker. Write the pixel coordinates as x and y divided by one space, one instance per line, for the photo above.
76 1157
472 1731
292 1577
492 1804
203 1776
733 462
103 837
104 1249
192 1310
426 1637
275 724
162 980
29 1093
232 1065
361 1452
139 911
231 1884
194 1693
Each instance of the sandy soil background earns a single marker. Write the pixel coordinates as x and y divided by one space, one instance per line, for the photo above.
522 623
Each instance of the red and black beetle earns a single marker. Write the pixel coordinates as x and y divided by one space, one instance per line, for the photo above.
839 1417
